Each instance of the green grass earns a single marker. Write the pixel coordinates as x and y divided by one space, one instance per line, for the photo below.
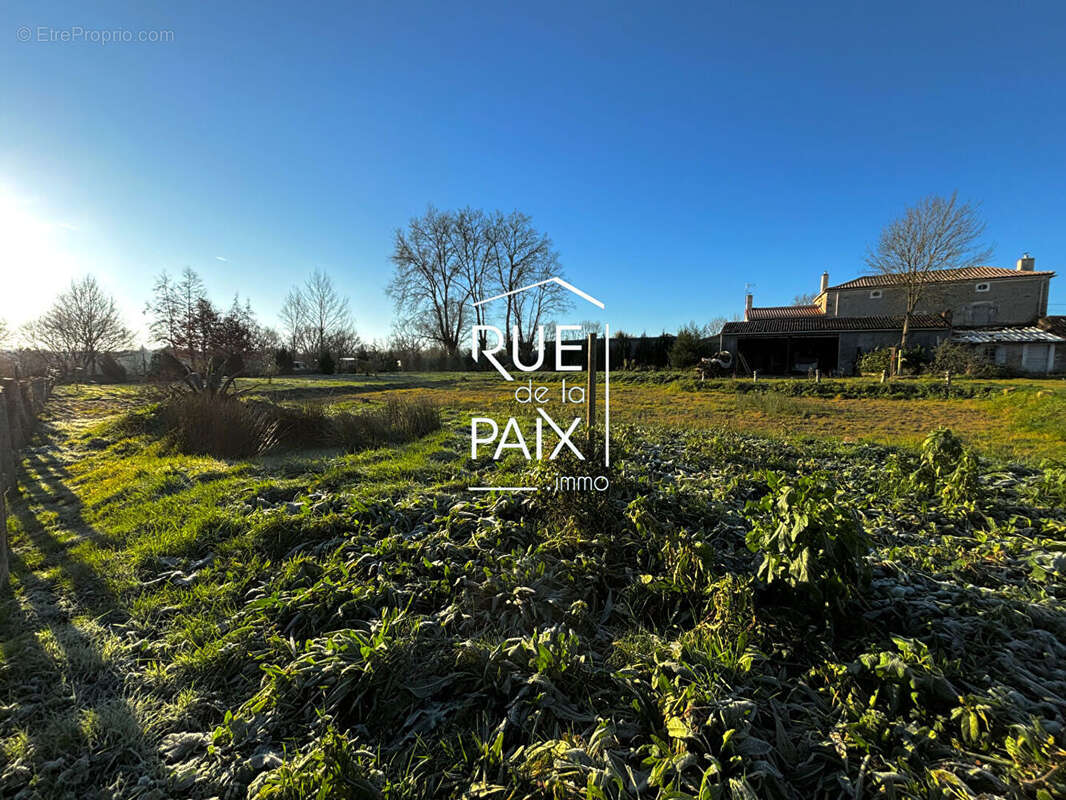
177 627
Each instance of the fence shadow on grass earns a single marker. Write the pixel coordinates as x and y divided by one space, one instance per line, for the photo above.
69 716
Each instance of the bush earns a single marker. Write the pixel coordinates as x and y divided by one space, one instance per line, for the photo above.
686 349
111 369
220 425
957 358
224 426
284 361
875 362
396 421
810 539
326 364
948 469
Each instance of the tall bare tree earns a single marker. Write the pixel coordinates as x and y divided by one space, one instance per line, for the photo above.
82 324
936 233
318 318
294 320
473 245
446 261
3 332
429 285
523 257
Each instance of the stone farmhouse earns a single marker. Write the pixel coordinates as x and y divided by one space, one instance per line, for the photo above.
1000 313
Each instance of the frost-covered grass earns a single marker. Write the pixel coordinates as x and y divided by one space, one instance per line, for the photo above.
358 625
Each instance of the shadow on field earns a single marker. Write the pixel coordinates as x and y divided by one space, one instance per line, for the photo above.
68 724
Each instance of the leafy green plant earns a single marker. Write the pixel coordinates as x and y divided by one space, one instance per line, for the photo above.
330 770
809 537
874 362
1051 489
947 469
953 357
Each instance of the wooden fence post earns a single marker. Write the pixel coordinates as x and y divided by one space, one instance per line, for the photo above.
10 396
4 567
7 478
7 447
590 391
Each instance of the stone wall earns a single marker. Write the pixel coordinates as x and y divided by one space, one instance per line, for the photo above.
1006 301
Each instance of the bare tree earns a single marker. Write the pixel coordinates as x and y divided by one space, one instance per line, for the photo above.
82 324
317 318
294 318
805 299
937 233
715 325
590 326
474 248
429 286
524 257
3 332
328 315
447 261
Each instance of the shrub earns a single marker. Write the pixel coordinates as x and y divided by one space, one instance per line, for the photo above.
218 425
227 427
915 359
948 469
284 361
326 364
111 369
686 349
810 539
954 357
874 362
397 421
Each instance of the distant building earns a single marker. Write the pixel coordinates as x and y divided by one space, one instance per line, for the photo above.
1000 312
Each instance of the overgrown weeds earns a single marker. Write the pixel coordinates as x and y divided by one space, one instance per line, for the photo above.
360 626
228 427
810 539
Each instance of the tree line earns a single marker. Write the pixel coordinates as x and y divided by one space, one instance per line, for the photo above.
445 263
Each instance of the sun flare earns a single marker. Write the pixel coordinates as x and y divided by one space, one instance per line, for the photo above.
34 256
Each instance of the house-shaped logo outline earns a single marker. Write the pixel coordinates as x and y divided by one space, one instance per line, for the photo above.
568 286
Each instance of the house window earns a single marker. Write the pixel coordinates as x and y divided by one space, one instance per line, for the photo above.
982 287
875 294
1001 355
989 353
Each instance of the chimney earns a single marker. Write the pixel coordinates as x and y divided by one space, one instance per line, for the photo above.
747 304
1026 263
825 282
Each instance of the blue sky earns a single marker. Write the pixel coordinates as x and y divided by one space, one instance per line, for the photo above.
674 152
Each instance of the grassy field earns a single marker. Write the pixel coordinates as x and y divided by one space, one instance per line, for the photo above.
316 623
1011 420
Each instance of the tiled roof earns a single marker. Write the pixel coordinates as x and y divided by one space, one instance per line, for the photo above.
777 312
939 276
1056 325
1027 333
833 324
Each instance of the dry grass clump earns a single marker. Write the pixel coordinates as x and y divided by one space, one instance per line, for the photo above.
229 427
